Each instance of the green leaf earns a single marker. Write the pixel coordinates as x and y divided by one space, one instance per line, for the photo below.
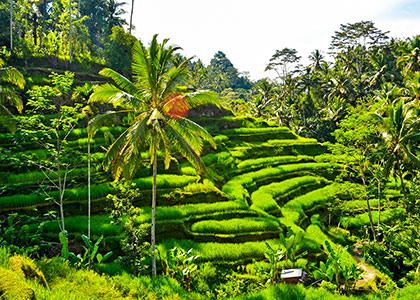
64 245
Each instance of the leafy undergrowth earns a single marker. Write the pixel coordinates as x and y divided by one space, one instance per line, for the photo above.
54 279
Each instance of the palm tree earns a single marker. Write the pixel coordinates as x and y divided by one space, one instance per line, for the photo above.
399 130
157 111
9 75
131 16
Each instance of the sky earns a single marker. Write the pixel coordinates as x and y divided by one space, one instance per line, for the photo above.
250 31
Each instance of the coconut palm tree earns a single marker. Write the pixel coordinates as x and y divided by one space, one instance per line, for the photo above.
9 75
400 130
157 110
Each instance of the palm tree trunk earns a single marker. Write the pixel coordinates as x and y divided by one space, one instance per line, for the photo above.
60 184
153 238
379 203
369 209
131 16
11 25
88 181
70 50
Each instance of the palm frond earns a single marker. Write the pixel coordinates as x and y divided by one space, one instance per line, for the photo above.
167 148
172 76
13 76
141 67
109 93
202 98
102 120
192 132
182 146
120 80
9 96
115 150
411 156
7 119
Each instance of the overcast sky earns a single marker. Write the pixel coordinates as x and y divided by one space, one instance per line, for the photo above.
249 31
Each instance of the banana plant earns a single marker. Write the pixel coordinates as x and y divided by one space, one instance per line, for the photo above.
91 252
290 246
180 264
274 257
338 271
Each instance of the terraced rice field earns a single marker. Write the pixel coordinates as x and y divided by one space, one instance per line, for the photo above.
263 180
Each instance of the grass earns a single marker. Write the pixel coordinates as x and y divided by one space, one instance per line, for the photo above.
235 225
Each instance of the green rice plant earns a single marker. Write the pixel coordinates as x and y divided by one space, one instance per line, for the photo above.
222 251
254 130
236 187
361 220
188 210
264 197
312 199
100 225
271 161
97 191
277 147
34 176
235 225
298 141
358 205
84 141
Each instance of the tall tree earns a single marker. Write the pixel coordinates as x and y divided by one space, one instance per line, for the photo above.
285 59
158 112
363 33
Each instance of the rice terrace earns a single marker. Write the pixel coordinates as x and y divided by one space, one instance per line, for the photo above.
131 170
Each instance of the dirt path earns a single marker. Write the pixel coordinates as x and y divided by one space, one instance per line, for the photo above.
369 272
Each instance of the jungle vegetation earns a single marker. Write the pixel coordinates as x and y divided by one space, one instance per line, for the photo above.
115 183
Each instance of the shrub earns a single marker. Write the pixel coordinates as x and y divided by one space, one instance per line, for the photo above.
13 286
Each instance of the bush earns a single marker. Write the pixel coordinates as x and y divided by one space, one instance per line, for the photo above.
13 286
